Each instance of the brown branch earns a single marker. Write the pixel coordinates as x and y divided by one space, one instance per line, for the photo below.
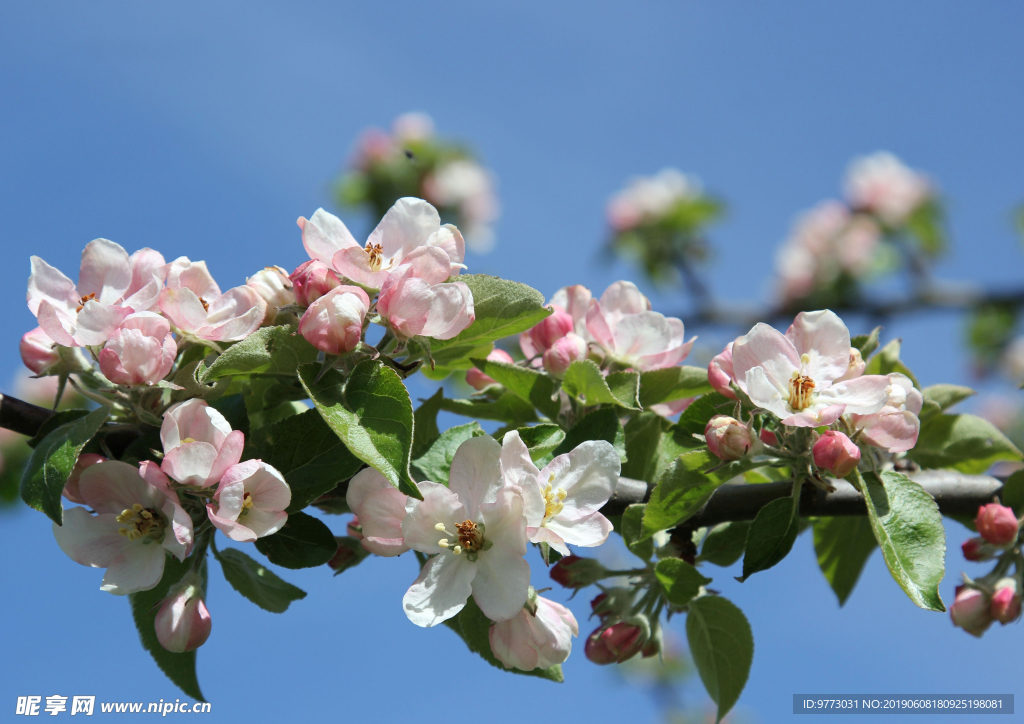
21 416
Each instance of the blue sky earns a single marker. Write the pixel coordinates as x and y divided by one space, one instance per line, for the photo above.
205 129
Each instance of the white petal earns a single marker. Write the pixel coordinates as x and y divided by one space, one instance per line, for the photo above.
518 470
439 505
406 225
91 540
441 589
764 394
587 474
765 347
501 583
140 568
475 474
585 532
504 521
105 271
825 340
862 395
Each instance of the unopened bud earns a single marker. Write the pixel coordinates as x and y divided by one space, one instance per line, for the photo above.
273 284
576 572
183 622
836 453
551 329
37 350
997 524
617 643
857 366
563 353
975 549
312 280
478 380
728 438
768 437
85 460
1006 601
970 610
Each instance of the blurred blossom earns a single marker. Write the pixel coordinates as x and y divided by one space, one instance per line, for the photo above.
413 127
883 185
1013 360
466 185
648 198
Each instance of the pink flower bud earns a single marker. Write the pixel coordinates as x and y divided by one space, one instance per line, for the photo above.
728 438
836 453
768 437
970 610
1006 601
478 380
334 322
596 649
997 524
622 641
140 352
600 605
974 549
274 286
37 350
551 329
857 366
576 572
720 373
183 621
563 353
85 460
312 280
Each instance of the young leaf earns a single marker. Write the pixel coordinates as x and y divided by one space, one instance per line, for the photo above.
725 543
256 582
583 381
303 542
425 419
532 386
672 383
508 407
267 351
437 461
309 455
598 425
695 417
965 442
52 460
179 668
372 414
888 360
680 580
625 387
843 546
722 647
630 527
643 442
541 440
908 527
945 396
771 535
866 343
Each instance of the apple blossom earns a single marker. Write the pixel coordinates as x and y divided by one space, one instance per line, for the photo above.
250 501
576 572
720 374
409 225
540 639
728 438
140 352
974 549
997 524
615 644
380 510
478 380
199 444
334 322
1006 601
273 284
476 532
85 460
882 184
896 426
311 280
111 285
649 198
857 365
183 622
37 350
467 186
793 375
836 453
416 302
576 301
970 610
137 519
195 305
373 145
546 332
413 126
671 408
561 502
560 355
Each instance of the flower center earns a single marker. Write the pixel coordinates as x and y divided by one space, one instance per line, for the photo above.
206 304
470 536
83 300
141 523
801 390
376 254
246 504
553 501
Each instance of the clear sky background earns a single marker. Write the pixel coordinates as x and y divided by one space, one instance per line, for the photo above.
205 129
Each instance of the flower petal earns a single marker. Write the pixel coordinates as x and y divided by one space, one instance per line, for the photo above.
825 340
501 583
587 474
439 505
765 347
324 235
475 474
406 225
584 532
861 395
140 568
91 540
441 590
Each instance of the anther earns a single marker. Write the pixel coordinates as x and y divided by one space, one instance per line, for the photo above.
443 542
457 550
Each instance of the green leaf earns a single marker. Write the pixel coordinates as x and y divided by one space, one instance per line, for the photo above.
269 399
722 647
508 407
695 417
866 343
771 535
372 414
643 443
945 396
583 381
630 527
53 459
725 543
967 443
474 628
532 386
267 351
425 423
502 308
908 527
888 360
303 542
680 580
309 455
673 383
234 411
843 546
61 417
437 461
598 425
179 668
686 487
1013 493
541 440
256 582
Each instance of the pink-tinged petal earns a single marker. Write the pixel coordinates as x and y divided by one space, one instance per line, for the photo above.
671 409
407 225
140 568
184 308
354 264
501 583
114 486
598 327
547 535
47 283
230 495
624 298
585 532
669 358
720 372
430 264
231 528
825 340
449 239
234 315
504 520
178 539
588 474
230 453
896 431
333 323
475 474
56 325
380 512
450 312
576 300
37 350
764 394
815 416
91 540
263 522
105 271
183 273
765 347
439 505
861 396
96 322
268 489
193 419
146 299
518 470
527 642
362 484
324 235
440 591
147 266
191 463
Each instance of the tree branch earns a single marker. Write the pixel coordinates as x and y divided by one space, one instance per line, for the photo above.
22 417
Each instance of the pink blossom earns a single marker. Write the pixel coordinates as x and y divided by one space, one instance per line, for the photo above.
650 198
311 280
720 374
250 501
195 305
728 438
137 519
615 644
883 185
373 146
541 639
85 460
380 509
334 322
478 380
1006 601
274 286
970 610
997 524
857 365
111 285
140 352
793 375
576 301
413 126
37 350
896 426
416 301
546 332
465 185
183 622
560 355
199 444
631 335
836 453
671 408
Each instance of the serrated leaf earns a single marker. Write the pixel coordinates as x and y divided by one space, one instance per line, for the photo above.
680 580
584 382
598 425
967 443
843 546
945 396
771 535
52 460
908 527
306 451
532 386
303 542
425 423
866 343
541 440
695 417
267 351
887 360
625 387
725 543
631 527
179 668
371 413
722 647
437 461
508 407
673 383
256 582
